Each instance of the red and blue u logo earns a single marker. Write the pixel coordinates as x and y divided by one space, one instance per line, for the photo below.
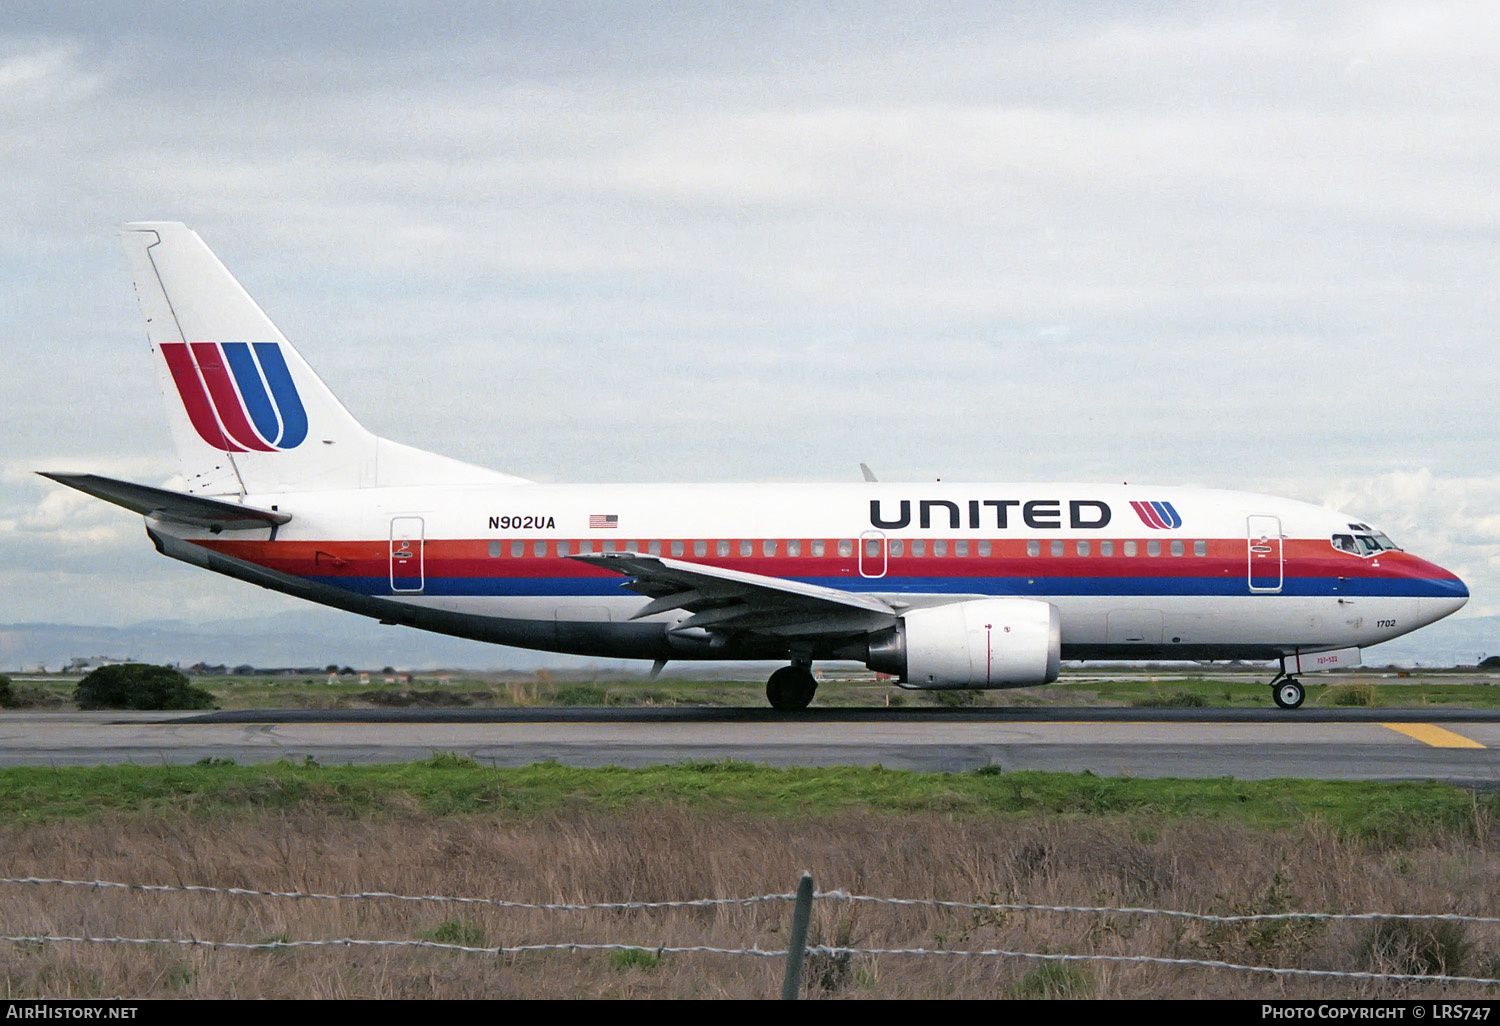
239 396
1159 516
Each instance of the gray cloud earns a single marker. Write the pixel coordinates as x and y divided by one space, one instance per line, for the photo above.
633 242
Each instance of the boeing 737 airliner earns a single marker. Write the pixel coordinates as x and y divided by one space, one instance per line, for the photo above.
938 585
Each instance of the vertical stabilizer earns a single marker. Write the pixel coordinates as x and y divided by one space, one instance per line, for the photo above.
247 412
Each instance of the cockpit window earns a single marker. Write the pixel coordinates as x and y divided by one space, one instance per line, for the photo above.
1365 542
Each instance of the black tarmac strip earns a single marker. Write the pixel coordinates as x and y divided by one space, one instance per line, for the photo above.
870 714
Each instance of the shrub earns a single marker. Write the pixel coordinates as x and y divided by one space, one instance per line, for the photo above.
1416 946
634 958
954 698
7 694
827 972
581 694
1351 694
139 686
1180 699
455 931
1053 980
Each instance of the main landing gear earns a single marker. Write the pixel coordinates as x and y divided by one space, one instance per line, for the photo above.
1287 692
791 688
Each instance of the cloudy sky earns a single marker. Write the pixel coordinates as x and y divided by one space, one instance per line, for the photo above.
1231 245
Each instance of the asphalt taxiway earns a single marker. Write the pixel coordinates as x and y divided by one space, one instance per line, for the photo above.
1457 745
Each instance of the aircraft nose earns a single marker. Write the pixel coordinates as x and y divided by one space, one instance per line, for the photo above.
1455 595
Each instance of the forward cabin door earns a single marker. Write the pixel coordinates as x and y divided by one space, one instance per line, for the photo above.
406 554
1264 563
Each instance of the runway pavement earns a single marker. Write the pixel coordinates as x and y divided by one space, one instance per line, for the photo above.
1451 744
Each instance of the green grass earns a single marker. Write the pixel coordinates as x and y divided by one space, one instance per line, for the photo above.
1129 687
1053 980
455 931
447 785
624 961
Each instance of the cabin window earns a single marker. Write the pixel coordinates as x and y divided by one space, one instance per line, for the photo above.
794 547
1200 548
1130 548
872 547
1081 547
632 546
818 547
539 548
517 549
747 547
654 548
961 548
1033 548
1176 547
1153 548
940 548
611 546
918 547
496 549
1106 548
700 547
677 548
585 547
562 548
984 548
897 547
1056 548
723 548
846 547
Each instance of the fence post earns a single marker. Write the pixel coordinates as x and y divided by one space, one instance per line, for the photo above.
791 987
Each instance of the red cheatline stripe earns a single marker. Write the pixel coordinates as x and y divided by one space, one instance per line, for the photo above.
190 387
226 400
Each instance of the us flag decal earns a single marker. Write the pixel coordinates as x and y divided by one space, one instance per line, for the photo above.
598 521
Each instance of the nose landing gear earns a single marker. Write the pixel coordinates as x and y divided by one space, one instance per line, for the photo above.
791 688
1287 692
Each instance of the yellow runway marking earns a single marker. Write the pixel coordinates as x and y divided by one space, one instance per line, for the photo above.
1437 737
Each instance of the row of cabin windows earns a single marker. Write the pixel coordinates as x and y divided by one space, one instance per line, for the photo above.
844 546
745 547
1083 547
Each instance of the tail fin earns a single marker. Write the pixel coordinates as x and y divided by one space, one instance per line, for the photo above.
247 412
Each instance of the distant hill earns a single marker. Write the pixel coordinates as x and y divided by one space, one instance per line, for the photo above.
317 637
1450 642
314 637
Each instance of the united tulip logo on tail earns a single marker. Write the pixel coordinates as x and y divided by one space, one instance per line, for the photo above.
239 395
1159 516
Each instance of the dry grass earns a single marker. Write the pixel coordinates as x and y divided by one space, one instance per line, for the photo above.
583 856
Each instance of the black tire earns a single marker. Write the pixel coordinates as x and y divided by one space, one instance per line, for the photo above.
791 688
1288 694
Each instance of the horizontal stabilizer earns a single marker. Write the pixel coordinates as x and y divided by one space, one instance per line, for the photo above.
193 510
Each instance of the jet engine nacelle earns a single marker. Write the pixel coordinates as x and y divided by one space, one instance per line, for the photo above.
981 643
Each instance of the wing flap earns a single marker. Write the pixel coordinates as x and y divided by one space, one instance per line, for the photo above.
720 600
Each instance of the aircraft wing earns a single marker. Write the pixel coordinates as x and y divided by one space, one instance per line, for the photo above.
731 600
193 510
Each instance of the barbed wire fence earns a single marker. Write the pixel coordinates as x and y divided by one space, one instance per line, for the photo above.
797 949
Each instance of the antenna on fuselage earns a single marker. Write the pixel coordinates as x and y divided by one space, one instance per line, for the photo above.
864 468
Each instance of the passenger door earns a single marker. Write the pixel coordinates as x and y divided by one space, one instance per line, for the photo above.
1264 562
406 554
